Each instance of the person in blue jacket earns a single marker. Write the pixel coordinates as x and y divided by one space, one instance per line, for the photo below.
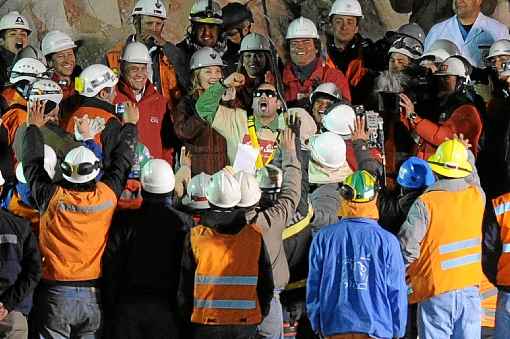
356 281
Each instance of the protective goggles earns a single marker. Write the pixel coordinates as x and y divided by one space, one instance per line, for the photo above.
409 44
349 192
268 92
84 168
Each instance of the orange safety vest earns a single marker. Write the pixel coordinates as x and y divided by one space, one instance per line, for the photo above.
92 112
489 297
450 257
168 76
13 97
19 208
226 278
12 120
74 231
501 206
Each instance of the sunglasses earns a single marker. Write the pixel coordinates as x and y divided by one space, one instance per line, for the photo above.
85 168
268 92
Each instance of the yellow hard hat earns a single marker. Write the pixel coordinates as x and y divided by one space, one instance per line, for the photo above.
360 186
451 160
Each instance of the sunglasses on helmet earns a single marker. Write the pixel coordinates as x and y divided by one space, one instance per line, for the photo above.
268 92
85 168
410 44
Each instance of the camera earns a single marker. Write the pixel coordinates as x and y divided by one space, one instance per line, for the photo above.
374 126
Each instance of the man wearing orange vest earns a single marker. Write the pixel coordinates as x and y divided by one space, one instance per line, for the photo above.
74 224
441 244
169 72
350 52
226 283
496 254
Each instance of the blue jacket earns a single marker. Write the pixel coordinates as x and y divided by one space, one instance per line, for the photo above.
356 281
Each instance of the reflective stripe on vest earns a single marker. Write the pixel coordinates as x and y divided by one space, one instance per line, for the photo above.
226 304
459 246
252 133
462 261
501 207
299 226
226 280
489 313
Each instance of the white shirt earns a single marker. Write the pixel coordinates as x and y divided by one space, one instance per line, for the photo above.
484 32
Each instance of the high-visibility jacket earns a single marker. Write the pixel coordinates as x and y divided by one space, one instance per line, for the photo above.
13 97
73 233
93 113
226 277
167 73
17 207
488 296
12 119
450 257
502 210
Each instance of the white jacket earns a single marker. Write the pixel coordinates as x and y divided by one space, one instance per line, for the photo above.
485 32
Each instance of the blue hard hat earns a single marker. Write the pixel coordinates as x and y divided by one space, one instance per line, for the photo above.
415 173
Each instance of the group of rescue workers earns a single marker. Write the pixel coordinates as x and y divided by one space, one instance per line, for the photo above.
211 189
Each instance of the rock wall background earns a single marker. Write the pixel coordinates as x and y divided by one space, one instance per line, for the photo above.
100 23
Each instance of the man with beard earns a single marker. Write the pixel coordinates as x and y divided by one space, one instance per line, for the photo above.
169 71
306 68
205 30
60 52
457 113
14 31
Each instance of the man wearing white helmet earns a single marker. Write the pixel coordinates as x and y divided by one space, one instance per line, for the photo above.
20 274
207 146
457 113
169 69
206 20
134 87
350 52
307 68
469 29
59 49
14 32
74 223
136 284
96 86
224 292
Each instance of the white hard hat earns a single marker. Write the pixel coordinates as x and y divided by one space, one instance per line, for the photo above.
46 89
412 30
2 180
255 42
14 20
407 46
136 53
205 57
202 13
326 88
442 44
453 66
196 192
328 150
439 55
80 159
26 69
250 191
155 8
157 177
56 41
302 28
346 7
223 190
339 119
94 78
270 177
50 162
500 47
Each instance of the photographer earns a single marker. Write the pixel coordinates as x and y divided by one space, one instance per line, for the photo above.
457 112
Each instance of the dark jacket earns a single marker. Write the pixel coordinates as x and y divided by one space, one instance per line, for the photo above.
208 148
226 223
6 60
20 263
427 13
393 208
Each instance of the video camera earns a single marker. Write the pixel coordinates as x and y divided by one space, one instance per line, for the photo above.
374 126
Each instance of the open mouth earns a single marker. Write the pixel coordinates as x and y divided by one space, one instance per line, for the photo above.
263 107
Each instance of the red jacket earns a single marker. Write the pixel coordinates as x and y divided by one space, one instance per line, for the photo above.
153 111
295 90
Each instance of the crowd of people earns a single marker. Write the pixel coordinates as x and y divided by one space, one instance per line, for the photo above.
215 189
